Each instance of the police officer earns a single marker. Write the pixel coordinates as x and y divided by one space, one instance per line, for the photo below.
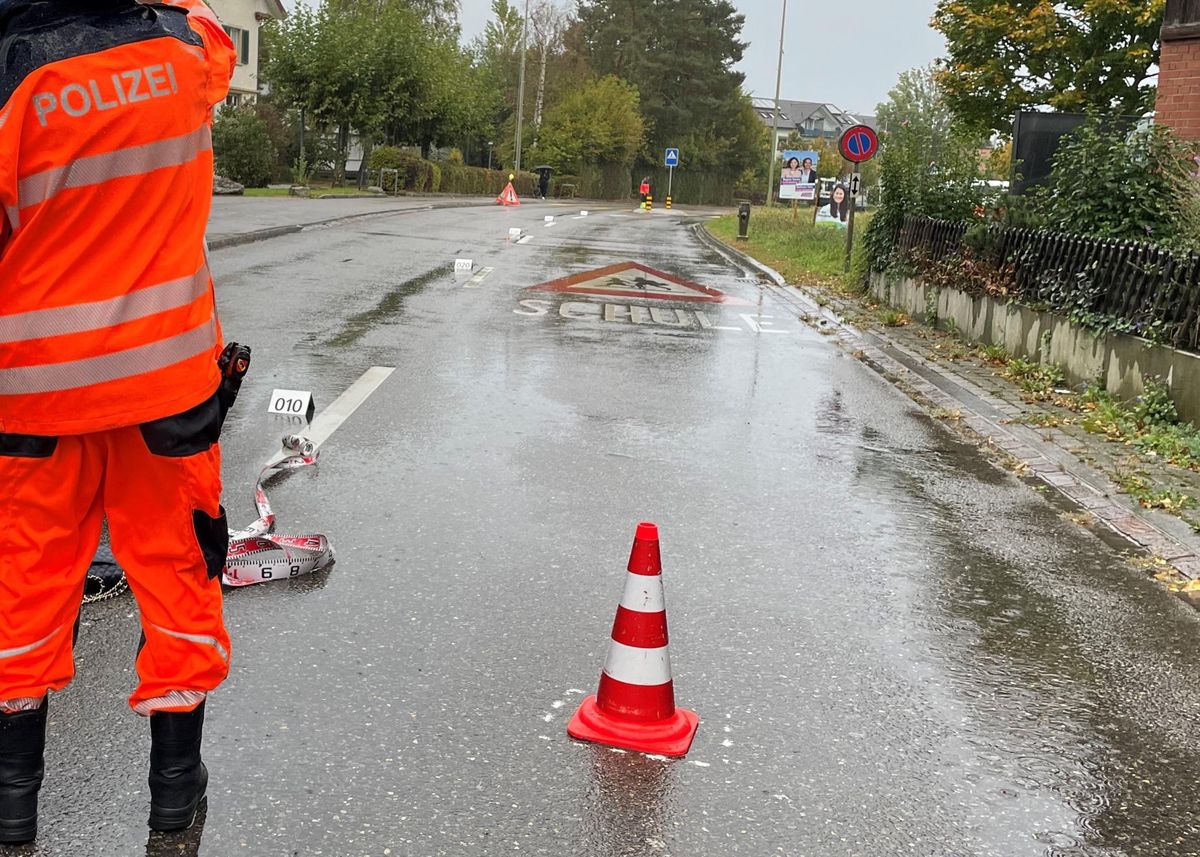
109 345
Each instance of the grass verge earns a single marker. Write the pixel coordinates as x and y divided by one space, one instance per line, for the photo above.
803 252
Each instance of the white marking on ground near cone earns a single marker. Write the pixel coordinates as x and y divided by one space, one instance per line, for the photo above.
656 757
574 691
700 764
547 717
726 743
526 239
558 703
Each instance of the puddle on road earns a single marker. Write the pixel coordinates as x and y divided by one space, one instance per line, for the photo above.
388 308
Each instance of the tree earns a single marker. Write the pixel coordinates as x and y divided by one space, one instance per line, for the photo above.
242 147
680 54
596 124
388 70
917 98
548 24
923 176
1074 55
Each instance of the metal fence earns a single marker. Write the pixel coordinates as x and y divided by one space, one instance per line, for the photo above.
1134 286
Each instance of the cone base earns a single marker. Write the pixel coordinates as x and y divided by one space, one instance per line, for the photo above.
670 737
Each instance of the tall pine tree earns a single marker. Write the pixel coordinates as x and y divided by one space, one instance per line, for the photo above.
680 55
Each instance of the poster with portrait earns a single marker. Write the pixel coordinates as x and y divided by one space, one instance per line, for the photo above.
834 209
798 176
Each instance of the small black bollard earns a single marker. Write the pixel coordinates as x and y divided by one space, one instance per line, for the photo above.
743 221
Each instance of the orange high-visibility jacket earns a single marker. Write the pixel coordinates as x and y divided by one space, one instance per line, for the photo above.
107 316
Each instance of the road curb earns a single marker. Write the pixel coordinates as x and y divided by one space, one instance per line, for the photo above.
983 418
224 242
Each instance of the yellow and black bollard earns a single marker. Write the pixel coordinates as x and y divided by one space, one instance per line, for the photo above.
649 203
668 203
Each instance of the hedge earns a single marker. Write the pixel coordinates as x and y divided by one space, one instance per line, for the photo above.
417 175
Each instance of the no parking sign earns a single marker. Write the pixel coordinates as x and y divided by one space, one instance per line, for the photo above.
858 145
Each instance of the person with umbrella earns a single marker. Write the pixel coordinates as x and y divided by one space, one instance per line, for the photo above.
544 173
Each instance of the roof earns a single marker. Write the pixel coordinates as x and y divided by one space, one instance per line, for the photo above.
275 8
792 114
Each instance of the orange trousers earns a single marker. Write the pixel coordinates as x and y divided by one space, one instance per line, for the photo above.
159 486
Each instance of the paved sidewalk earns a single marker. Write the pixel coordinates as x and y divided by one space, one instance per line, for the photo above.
1041 442
239 220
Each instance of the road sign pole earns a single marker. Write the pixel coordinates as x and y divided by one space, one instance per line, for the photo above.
670 181
855 182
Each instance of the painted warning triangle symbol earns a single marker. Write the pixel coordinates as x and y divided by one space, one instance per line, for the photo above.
631 280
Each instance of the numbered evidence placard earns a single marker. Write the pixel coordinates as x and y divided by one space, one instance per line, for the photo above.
292 403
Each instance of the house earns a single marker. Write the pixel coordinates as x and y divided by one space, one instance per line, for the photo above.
811 119
242 20
1179 69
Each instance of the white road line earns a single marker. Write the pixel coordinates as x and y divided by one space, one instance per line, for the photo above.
330 419
474 282
526 239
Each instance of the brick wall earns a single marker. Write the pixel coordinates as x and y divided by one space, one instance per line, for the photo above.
1179 71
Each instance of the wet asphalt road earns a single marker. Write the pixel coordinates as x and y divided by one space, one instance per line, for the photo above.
894 648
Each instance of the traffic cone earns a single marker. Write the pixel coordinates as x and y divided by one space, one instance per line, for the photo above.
508 196
635 706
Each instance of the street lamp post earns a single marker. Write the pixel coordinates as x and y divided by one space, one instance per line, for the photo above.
775 126
490 145
521 85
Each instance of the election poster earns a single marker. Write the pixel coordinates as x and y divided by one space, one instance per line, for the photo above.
798 178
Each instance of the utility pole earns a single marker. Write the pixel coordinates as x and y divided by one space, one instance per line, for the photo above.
775 127
521 85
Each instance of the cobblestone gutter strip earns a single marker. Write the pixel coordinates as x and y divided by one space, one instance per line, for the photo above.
973 412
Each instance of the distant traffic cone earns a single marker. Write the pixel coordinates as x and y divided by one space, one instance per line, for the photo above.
635 706
508 196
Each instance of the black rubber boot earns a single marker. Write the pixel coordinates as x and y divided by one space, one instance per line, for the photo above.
22 745
178 779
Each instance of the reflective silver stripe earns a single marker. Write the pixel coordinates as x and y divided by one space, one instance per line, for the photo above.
173 699
59 321
25 703
55 377
96 169
197 638
24 650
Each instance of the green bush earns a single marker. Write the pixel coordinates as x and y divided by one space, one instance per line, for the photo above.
926 174
1111 183
242 147
450 176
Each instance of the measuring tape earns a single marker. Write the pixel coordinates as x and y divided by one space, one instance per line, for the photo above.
256 554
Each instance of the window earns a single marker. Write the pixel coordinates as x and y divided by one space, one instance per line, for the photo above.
241 44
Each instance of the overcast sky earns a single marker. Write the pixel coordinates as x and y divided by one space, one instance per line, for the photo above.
849 54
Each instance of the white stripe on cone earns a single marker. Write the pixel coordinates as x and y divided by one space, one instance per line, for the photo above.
643 594
643 667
